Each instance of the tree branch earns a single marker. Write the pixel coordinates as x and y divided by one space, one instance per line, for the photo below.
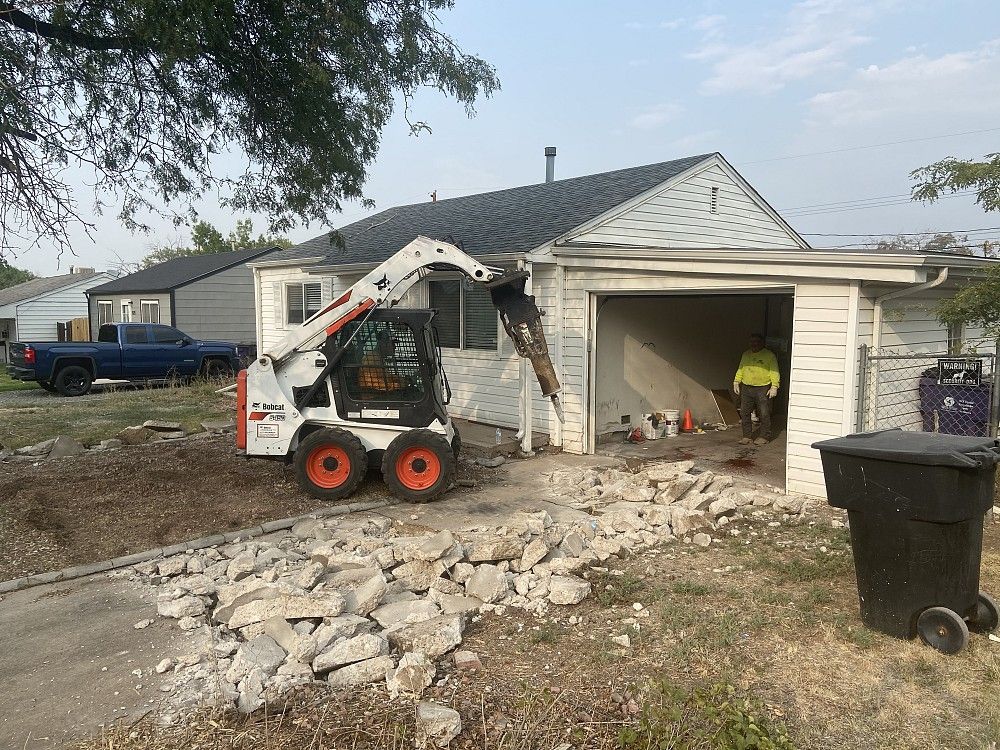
63 33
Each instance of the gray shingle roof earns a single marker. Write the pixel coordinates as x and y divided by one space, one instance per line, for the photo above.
515 220
38 287
171 274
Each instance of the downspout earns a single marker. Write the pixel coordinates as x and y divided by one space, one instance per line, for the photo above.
877 314
258 313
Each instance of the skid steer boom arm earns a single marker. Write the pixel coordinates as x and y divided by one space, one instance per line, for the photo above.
385 286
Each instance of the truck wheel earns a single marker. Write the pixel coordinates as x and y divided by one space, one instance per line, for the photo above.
73 381
216 369
418 466
330 463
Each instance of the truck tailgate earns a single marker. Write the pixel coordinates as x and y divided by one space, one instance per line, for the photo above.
17 353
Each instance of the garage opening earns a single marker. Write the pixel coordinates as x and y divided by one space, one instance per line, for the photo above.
655 353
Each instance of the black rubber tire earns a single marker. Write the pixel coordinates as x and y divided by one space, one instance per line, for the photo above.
395 457
986 617
943 629
332 438
47 386
216 369
73 380
456 442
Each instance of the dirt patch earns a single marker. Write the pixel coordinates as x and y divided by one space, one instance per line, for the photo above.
99 506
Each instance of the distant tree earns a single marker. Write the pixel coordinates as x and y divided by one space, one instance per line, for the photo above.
145 95
951 175
929 242
11 276
206 239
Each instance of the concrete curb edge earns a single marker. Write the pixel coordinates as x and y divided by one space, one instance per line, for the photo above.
103 566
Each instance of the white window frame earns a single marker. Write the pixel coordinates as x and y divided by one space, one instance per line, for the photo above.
105 312
466 351
149 304
126 307
305 310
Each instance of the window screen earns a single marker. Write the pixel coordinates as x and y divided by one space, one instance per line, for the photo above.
136 335
466 318
381 362
149 311
303 300
104 314
446 298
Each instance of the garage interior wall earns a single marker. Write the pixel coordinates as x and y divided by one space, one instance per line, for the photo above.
660 352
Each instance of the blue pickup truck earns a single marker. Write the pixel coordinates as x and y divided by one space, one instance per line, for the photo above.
135 352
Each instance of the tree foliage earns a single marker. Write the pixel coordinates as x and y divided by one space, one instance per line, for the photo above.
145 95
951 175
11 276
976 305
206 239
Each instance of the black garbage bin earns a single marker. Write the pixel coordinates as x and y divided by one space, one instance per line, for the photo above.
916 503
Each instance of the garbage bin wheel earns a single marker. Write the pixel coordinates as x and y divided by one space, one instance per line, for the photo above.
986 617
943 629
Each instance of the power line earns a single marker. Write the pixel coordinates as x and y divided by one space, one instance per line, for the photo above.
873 204
908 196
900 234
870 146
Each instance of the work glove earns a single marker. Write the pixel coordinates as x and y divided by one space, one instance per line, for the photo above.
736 387
772 392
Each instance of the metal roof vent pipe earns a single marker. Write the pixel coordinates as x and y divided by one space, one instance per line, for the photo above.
550 163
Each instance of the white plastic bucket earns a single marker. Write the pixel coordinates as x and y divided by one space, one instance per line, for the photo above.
671 422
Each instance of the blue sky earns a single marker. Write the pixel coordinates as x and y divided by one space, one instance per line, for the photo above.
616 84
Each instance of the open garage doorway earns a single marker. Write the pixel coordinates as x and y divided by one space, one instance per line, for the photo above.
660 352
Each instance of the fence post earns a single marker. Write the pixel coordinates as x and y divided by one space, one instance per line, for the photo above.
994 391
862 387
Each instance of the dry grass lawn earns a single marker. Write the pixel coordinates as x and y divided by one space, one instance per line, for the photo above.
752 643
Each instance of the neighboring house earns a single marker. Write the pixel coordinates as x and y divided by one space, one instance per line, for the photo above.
32 311
652 279
209 297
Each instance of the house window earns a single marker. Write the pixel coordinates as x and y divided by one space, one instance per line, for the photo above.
466 318
302 301
126 311
104 312
714 201
956 338
149 311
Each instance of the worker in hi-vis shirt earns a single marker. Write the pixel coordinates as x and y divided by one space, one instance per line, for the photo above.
756 383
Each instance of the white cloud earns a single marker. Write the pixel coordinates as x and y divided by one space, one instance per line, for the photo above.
709 24
634 25
814 38
689 144
671 25
953 88
656 117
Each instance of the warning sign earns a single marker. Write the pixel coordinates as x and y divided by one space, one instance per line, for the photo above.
968 372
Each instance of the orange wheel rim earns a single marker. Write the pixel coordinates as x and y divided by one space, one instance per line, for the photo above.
328 466
418 468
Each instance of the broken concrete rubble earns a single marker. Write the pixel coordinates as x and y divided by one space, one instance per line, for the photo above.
357 603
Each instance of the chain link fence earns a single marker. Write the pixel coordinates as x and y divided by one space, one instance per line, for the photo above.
906 389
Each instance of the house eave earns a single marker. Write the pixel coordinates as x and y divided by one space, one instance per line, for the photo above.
292 262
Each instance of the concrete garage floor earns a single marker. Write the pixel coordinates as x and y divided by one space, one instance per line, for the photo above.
718 451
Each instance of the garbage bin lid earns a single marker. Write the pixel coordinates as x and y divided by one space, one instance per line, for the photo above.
926 448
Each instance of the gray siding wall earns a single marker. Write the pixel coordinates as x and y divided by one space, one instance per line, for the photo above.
219 307
116 307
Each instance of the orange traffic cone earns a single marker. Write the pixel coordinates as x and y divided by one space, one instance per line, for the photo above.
687 424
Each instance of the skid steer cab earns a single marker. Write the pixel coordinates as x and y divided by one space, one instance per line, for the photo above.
361 383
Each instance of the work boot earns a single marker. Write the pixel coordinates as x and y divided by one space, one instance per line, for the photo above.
760 441
745 441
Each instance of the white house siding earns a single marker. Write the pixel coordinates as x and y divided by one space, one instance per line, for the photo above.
821 382
681 216
37 318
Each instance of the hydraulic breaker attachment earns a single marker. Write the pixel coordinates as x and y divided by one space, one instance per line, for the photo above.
523 322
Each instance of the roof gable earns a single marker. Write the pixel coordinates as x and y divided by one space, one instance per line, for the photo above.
177 272
46 285
515 220
708 206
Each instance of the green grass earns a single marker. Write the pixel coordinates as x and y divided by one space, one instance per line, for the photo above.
6 384
618 589
94 419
